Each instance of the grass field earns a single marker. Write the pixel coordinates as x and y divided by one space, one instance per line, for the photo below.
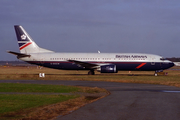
13 104
35 88
19 101
32 73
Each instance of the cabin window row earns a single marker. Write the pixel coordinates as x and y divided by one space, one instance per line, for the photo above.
93 59
74 58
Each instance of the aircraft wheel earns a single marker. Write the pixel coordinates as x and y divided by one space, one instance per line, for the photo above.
91 72
155 74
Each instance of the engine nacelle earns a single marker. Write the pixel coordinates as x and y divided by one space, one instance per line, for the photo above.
107 69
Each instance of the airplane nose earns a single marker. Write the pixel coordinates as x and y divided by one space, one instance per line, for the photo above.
171 64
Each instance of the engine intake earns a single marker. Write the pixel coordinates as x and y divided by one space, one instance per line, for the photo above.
107 69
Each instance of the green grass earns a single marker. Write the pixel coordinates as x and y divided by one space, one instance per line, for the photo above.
13 103
18 100
17 87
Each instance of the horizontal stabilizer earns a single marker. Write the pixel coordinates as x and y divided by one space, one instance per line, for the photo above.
19 55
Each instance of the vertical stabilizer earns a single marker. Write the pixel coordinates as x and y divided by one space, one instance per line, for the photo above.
26 43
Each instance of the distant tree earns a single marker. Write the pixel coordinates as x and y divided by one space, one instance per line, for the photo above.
173 59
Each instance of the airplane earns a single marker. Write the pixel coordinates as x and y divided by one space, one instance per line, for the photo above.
102 62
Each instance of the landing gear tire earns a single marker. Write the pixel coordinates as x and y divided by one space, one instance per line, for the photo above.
158 72
91 72
155 74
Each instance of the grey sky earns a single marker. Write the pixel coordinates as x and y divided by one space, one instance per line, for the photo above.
141 26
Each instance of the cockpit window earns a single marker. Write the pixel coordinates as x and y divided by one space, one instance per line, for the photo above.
163 59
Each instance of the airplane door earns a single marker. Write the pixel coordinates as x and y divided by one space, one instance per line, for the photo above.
152 60
42 60
153 63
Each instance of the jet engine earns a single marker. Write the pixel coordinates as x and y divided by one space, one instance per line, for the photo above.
107 69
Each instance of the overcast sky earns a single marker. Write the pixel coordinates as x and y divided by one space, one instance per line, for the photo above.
120 26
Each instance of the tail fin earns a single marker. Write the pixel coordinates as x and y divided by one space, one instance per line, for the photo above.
26 43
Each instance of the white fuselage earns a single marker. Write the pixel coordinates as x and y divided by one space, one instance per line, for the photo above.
123 61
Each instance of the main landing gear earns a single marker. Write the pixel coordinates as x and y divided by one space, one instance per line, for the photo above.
91 72
160 72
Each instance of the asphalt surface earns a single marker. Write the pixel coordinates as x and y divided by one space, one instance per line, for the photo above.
126 102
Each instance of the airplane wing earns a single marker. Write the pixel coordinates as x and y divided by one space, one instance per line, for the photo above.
19 55
85 64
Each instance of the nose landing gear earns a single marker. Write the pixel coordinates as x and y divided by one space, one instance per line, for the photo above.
160 72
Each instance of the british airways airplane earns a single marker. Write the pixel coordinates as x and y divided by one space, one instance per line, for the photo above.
102 62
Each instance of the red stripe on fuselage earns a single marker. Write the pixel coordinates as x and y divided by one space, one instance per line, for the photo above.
25 45
142 64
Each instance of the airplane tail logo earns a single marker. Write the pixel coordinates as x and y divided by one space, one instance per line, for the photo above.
26 43
24 40
23 37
